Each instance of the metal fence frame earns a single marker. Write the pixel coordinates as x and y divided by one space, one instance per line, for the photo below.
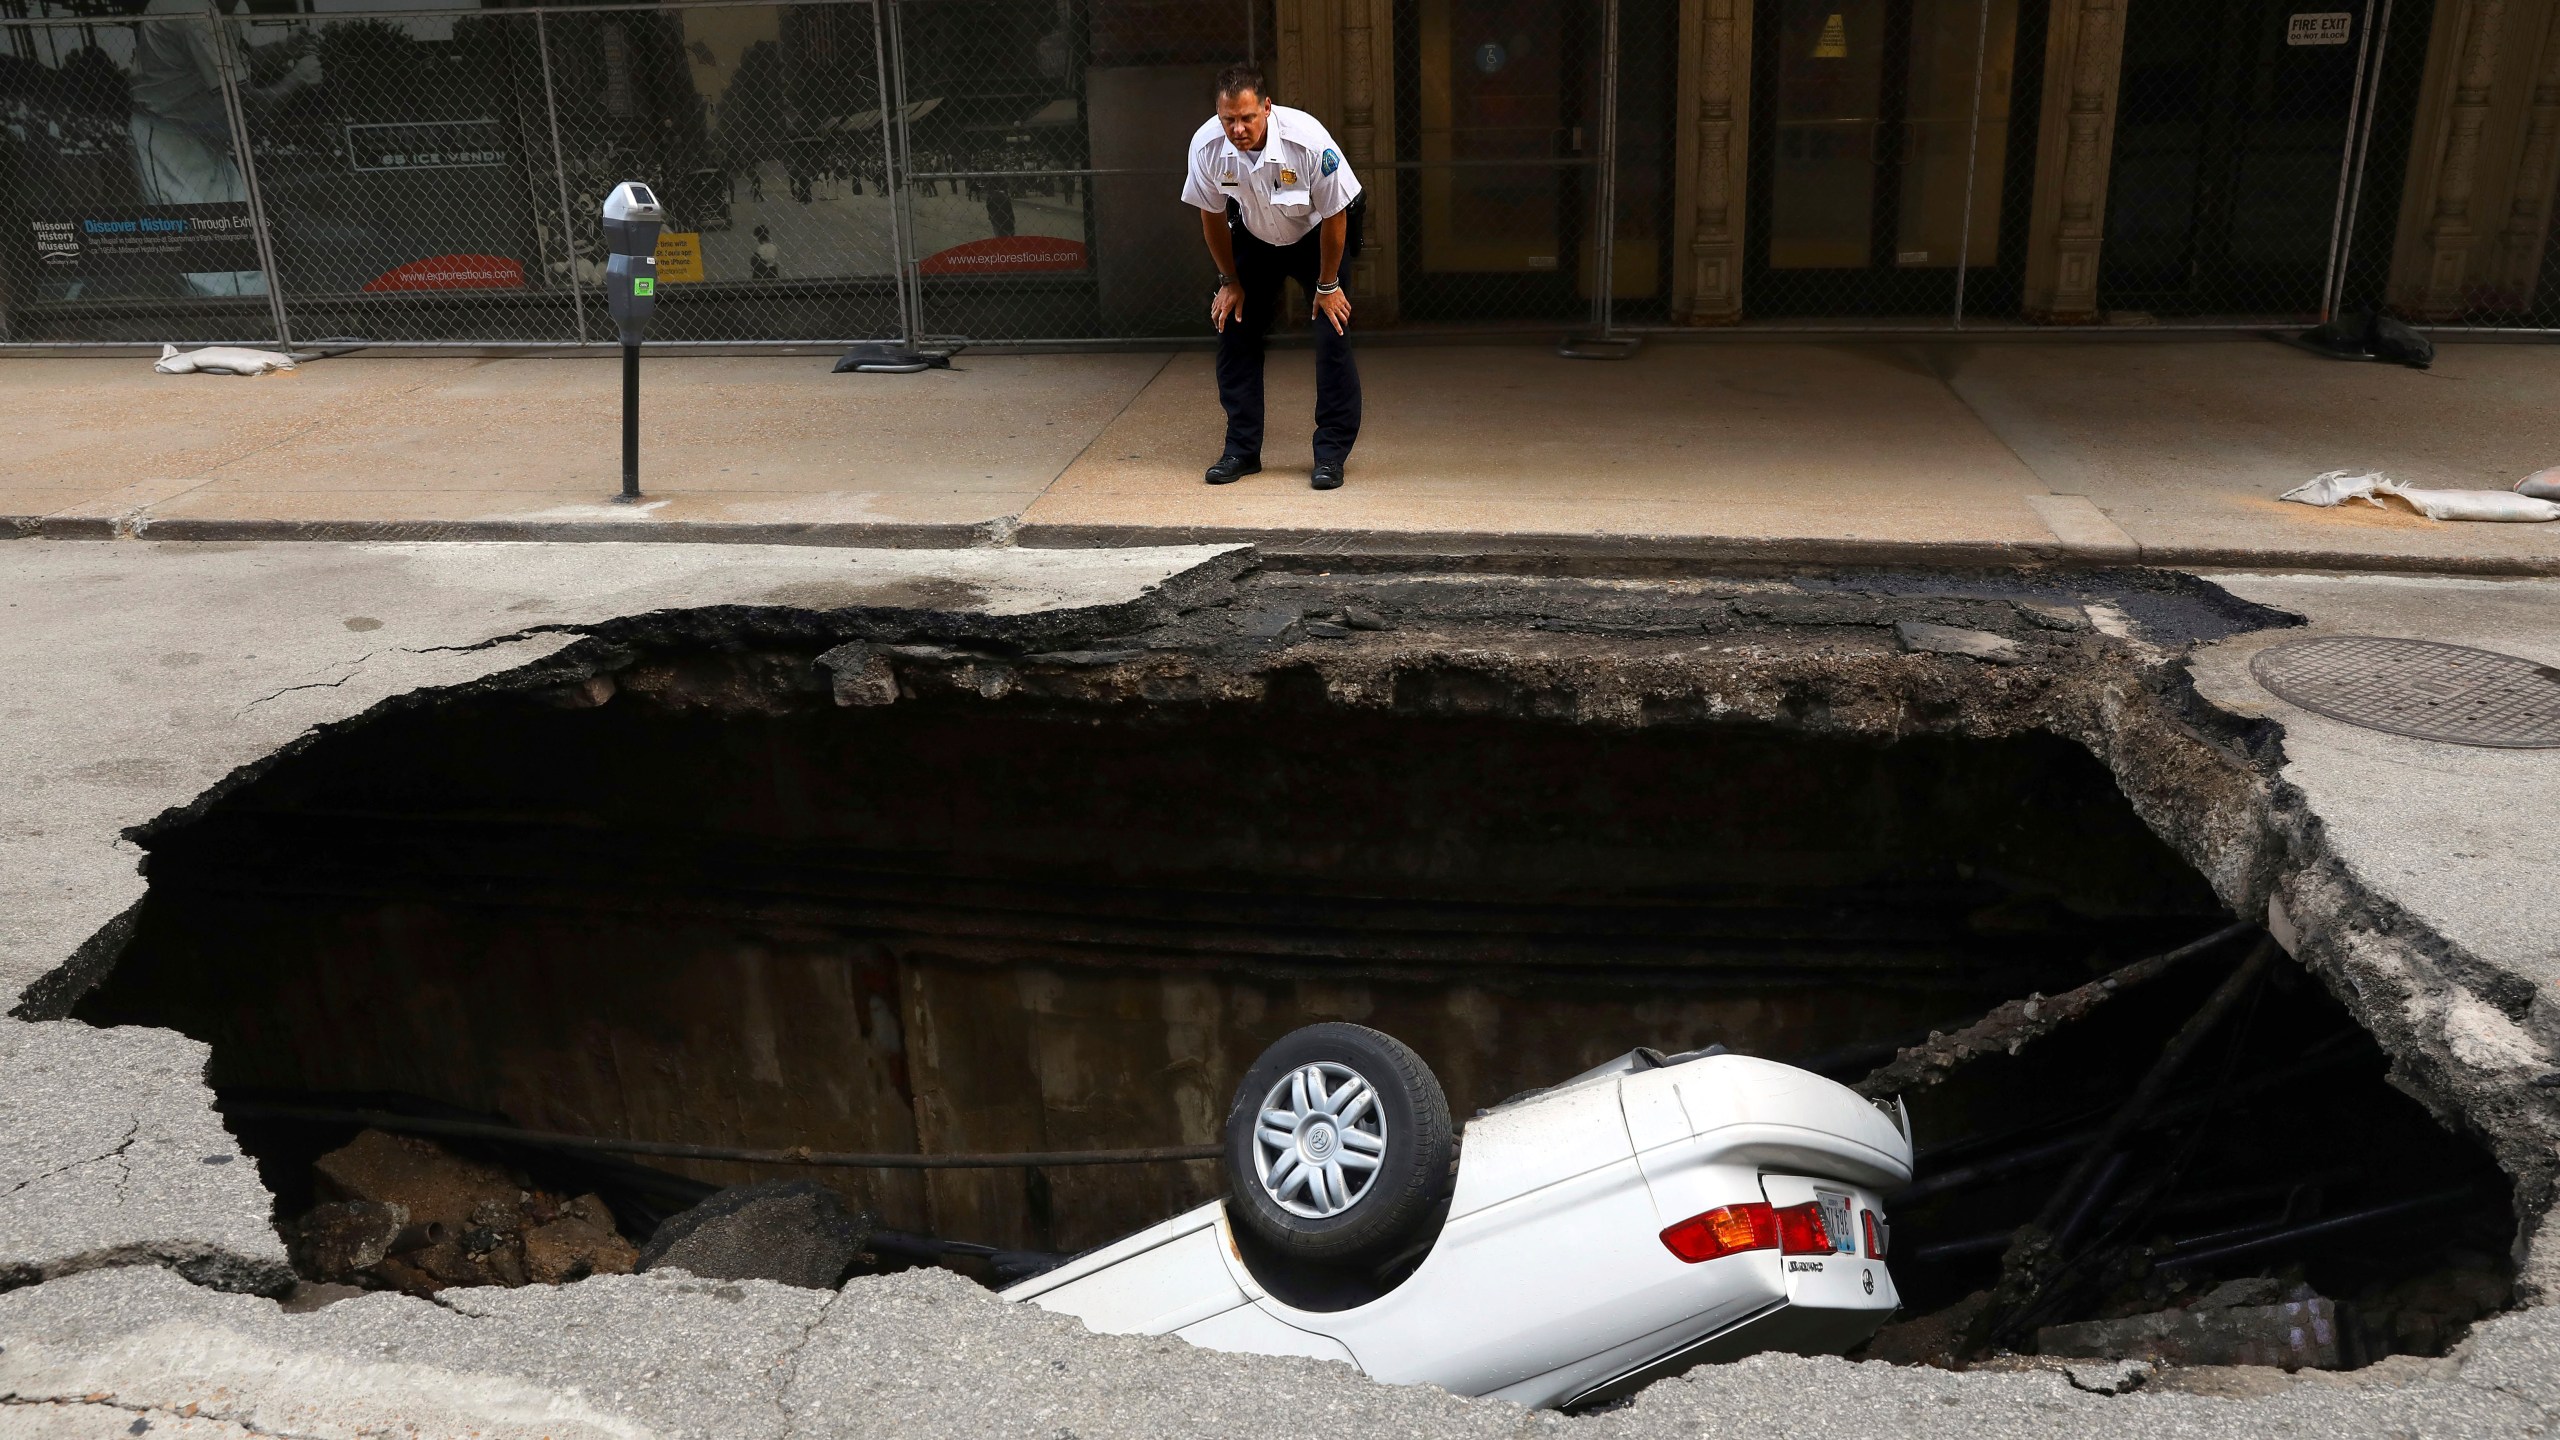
915 312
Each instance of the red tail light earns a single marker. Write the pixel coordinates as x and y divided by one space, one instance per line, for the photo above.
1725 1230
1877 1233
1801 1231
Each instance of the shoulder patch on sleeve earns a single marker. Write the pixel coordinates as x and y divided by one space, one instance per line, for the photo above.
1330 163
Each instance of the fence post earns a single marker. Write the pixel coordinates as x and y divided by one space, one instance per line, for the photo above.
232 110
2342 232
1604 289
560 175
1972 153
910 271
890 170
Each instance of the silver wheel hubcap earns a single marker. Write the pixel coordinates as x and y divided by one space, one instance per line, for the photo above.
1321 1135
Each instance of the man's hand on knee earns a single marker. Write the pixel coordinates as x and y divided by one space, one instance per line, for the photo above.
1334 306
1226 305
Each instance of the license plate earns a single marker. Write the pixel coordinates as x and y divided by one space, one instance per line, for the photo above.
1836 1217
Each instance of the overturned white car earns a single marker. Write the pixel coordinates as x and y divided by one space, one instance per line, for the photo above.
1584 1241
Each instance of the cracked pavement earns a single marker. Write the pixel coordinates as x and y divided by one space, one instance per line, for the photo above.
925 1354
83 1111
136 1248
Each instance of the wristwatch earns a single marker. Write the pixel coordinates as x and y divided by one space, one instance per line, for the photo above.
1225 280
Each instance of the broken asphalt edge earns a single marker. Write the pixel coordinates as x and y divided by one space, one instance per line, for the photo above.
2408 984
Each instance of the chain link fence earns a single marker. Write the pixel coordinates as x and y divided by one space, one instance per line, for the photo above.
1007 170
132 218
2232 128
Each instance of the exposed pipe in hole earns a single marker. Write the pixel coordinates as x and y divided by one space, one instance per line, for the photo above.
2173 1057
2337 1049
2305 1231
2035 1260
674 1150
2021 1022
2099 1187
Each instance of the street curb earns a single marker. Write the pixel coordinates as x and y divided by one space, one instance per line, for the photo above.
1499 550
1359 549
890 535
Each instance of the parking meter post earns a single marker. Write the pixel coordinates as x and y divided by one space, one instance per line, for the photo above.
632 218
630 422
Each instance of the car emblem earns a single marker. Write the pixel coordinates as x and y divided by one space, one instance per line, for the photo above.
1871 1282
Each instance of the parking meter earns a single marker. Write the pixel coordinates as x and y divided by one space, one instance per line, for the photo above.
631 220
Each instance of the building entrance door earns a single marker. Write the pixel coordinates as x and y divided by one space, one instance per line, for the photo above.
2230 128
1863 130
1500 114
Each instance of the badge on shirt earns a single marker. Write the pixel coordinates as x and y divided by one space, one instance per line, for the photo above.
1330 163
1288 176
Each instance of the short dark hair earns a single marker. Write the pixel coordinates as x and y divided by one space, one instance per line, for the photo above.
1240 77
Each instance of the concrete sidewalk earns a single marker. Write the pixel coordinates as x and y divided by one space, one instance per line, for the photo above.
1941 450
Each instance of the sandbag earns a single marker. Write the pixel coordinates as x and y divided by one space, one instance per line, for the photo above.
220 360
2339 486
2472 504
2336 487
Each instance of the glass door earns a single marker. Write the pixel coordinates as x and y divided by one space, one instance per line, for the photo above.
1863 134
1499 117
2231 123
1500 98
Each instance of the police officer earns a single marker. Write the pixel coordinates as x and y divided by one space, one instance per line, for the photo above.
1277 201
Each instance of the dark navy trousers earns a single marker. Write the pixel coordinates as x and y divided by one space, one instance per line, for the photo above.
1260 267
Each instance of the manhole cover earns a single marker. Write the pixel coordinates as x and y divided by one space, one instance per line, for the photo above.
2418 687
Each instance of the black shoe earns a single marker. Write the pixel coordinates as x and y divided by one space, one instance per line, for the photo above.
1327 475
1231 468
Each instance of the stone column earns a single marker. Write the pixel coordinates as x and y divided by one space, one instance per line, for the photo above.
2528 230
1336 62
1289 71
1717 38
1368 72
2449 233
2069 222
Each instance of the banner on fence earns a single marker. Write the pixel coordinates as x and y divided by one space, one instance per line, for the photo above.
144 242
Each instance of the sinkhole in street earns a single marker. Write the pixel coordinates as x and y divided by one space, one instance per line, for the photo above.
955 924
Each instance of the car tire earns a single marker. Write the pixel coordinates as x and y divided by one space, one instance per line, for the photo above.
1397 1116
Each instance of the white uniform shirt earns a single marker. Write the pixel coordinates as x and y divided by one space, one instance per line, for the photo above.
1297 182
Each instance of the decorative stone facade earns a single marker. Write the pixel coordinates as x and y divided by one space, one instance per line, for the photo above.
1337 61
2084 54
1712 150
2484 157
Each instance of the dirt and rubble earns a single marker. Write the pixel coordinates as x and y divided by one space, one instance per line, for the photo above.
404 1213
